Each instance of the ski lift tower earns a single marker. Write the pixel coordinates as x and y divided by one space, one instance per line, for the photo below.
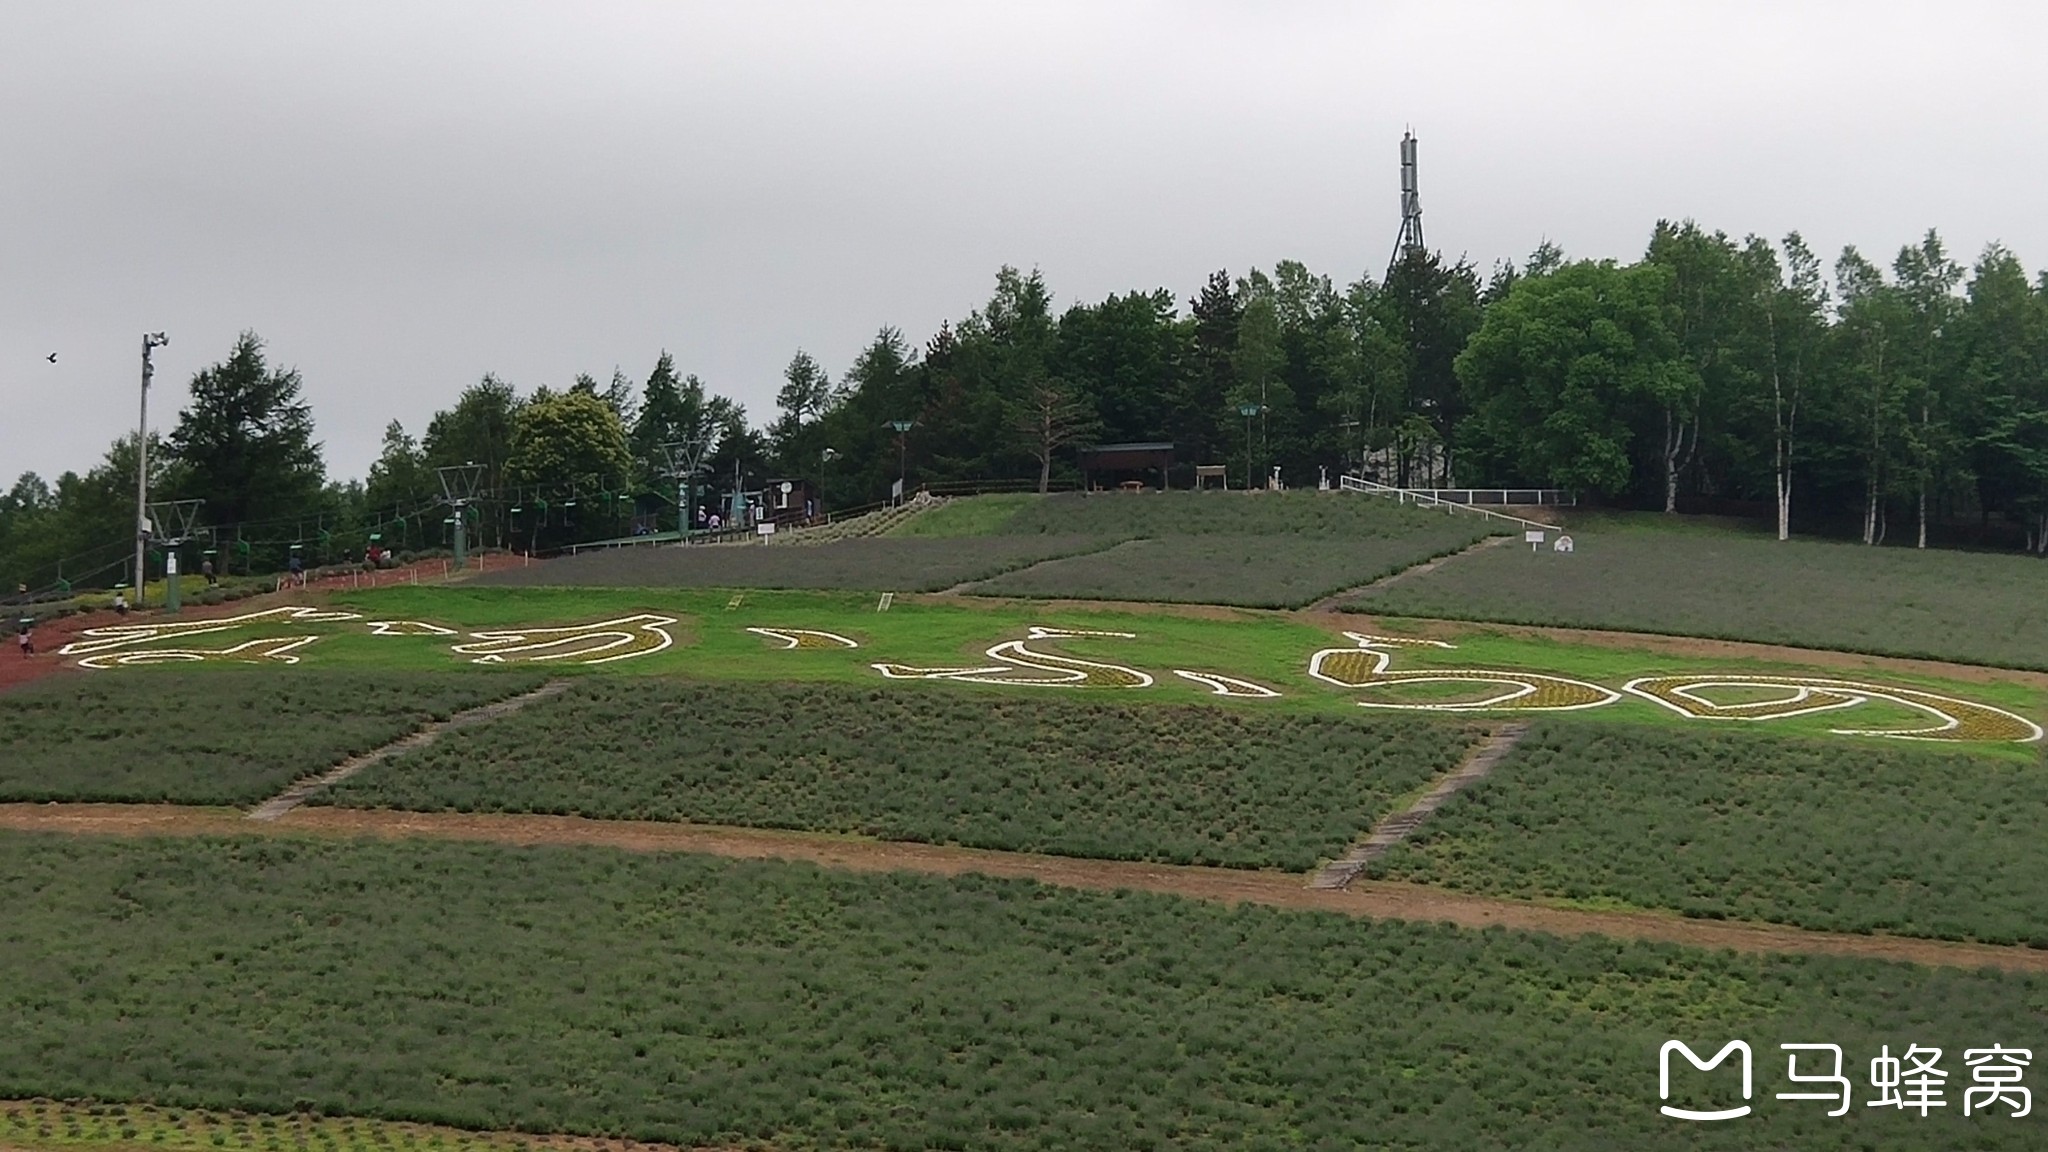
458 489
172 521
685 462
1410 239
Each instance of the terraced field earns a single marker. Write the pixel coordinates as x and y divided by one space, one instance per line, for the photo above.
1182 783
1262 549
715 1003
550 922
1253 571
1745 826
887 564
1971 607
214 736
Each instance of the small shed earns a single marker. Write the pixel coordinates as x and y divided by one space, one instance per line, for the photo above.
790 500
1106 461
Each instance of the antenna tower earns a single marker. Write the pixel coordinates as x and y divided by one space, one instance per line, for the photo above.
1410 239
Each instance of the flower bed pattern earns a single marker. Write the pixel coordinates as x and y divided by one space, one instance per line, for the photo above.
793 638
1021 665
1365 667
1805 696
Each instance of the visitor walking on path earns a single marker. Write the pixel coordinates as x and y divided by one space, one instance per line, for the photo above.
206 570
120 603
26 635
297 569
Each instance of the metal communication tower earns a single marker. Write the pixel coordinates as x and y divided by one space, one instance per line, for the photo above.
1410 239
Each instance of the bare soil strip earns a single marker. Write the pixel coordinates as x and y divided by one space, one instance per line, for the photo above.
305 787
1378 899
1331 602
1396 828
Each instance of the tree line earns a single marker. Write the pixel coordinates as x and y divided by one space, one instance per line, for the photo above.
1890 403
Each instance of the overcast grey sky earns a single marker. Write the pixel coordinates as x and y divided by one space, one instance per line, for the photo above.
402 196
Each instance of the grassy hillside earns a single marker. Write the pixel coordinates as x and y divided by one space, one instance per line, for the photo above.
1965 606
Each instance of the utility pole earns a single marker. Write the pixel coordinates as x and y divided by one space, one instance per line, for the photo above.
150 341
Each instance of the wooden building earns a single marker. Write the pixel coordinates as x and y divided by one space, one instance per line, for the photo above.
790 501
1108 465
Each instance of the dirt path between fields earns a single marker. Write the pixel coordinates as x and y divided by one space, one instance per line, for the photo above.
1378 899
1336 599
1475 766
966 587
304 788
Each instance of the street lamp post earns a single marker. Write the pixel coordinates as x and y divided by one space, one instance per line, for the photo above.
1248 411
150 341
902 428
824 458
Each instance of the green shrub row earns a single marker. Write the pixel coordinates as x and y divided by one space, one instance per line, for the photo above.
1838 834
719 1003
1009 770
214 735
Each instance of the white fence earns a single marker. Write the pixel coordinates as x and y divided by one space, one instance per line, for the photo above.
1449 498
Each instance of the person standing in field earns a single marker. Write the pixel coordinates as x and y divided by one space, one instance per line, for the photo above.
120 603
26 636
206 570
297 569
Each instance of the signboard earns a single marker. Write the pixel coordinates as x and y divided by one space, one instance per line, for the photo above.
1533 538
896 489
765 528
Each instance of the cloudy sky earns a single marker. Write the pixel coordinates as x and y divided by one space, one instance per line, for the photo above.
402 196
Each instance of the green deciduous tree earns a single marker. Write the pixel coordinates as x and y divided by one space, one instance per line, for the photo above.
1558 367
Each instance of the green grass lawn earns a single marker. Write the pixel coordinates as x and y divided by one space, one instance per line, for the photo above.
1971 607
968 516
1072 775
1823 834
704 1001
214 735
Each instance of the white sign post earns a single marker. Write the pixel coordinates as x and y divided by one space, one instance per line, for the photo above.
1533 538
